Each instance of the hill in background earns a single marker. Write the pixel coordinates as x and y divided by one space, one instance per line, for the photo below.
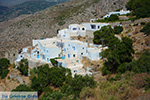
29 7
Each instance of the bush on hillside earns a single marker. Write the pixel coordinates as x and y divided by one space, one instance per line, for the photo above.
118 29
23 67
141 8
4 64
146 29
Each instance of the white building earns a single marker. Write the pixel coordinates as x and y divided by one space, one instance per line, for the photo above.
94 26
94 53
74 49
121 12
22 55
74 64
73 30
64 34
82 29
76 30
45 49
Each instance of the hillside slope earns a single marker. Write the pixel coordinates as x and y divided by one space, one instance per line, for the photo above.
46 23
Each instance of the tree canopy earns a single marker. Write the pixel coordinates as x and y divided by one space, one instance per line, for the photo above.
141 8
146 29
103 35
4 64
118 29
23 67
22 87
119 52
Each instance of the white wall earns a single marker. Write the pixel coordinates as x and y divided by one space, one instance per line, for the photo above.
64 34
121 12
74 47
94 26
93 54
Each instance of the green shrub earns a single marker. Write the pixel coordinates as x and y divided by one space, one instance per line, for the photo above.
118 29
23 67
142 23
22 88
54 62
4 64
113 17
140 8
142 64
147 86
146 29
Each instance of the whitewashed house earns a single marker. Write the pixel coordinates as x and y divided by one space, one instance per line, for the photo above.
74 64
121 12
76 30
73 30
45 49
64 34
94 26
22 55
74 49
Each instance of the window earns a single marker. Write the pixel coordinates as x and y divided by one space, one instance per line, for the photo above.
74 55
99 55
75 71
74 28
81 53
47 59
77 60
47 50
68 44
68 55
38 56
43 57
98 27
93 26
64 35
83 48
73 48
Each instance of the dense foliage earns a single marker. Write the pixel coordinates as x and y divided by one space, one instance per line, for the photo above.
54 62
142 64
141 8
22 88
118 29
23 67
4 64
119 52
59 77
146 29
50 76
103 35
77 84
